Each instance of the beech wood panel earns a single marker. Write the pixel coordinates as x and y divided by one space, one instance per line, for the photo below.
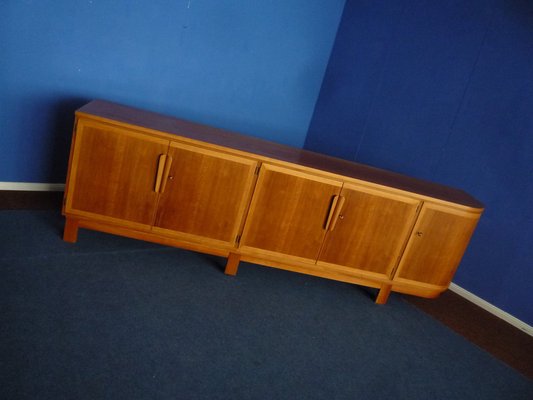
437 244
121 230
113 173
289 212
371 231
206 193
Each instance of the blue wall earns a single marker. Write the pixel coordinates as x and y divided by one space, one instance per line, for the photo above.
444 91
248 65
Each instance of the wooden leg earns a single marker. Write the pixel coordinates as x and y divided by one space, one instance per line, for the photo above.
383 294
233 264
70 234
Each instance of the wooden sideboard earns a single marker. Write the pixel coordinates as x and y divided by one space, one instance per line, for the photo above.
157 178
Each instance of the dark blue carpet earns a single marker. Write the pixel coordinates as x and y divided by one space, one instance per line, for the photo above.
113 318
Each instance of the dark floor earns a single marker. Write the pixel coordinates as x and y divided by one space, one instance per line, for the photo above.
21 200
502 340
487 331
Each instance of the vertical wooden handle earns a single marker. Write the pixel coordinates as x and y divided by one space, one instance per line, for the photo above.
160 169
337 212
168 164
331 211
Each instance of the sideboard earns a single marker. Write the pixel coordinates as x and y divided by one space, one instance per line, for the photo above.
157 178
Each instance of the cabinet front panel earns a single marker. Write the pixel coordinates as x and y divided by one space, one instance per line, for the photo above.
371 231
206 193
436 246
113 173
288 213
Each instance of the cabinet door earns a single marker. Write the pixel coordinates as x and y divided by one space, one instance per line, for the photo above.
370 233
288 214
113 173
205 195
436 245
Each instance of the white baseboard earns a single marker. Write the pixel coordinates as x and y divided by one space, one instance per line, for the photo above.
50 187
492 309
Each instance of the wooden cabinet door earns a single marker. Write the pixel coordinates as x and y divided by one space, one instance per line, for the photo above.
113 173
205 195
370 232
288 214
436 245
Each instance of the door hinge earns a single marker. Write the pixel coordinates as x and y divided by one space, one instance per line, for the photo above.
257 168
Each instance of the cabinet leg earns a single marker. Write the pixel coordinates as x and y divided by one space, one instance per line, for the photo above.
233 264
383 294
70 234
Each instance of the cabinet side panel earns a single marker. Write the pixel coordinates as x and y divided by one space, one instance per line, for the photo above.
114 173
437 245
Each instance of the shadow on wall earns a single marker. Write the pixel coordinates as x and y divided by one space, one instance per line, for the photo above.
60 133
